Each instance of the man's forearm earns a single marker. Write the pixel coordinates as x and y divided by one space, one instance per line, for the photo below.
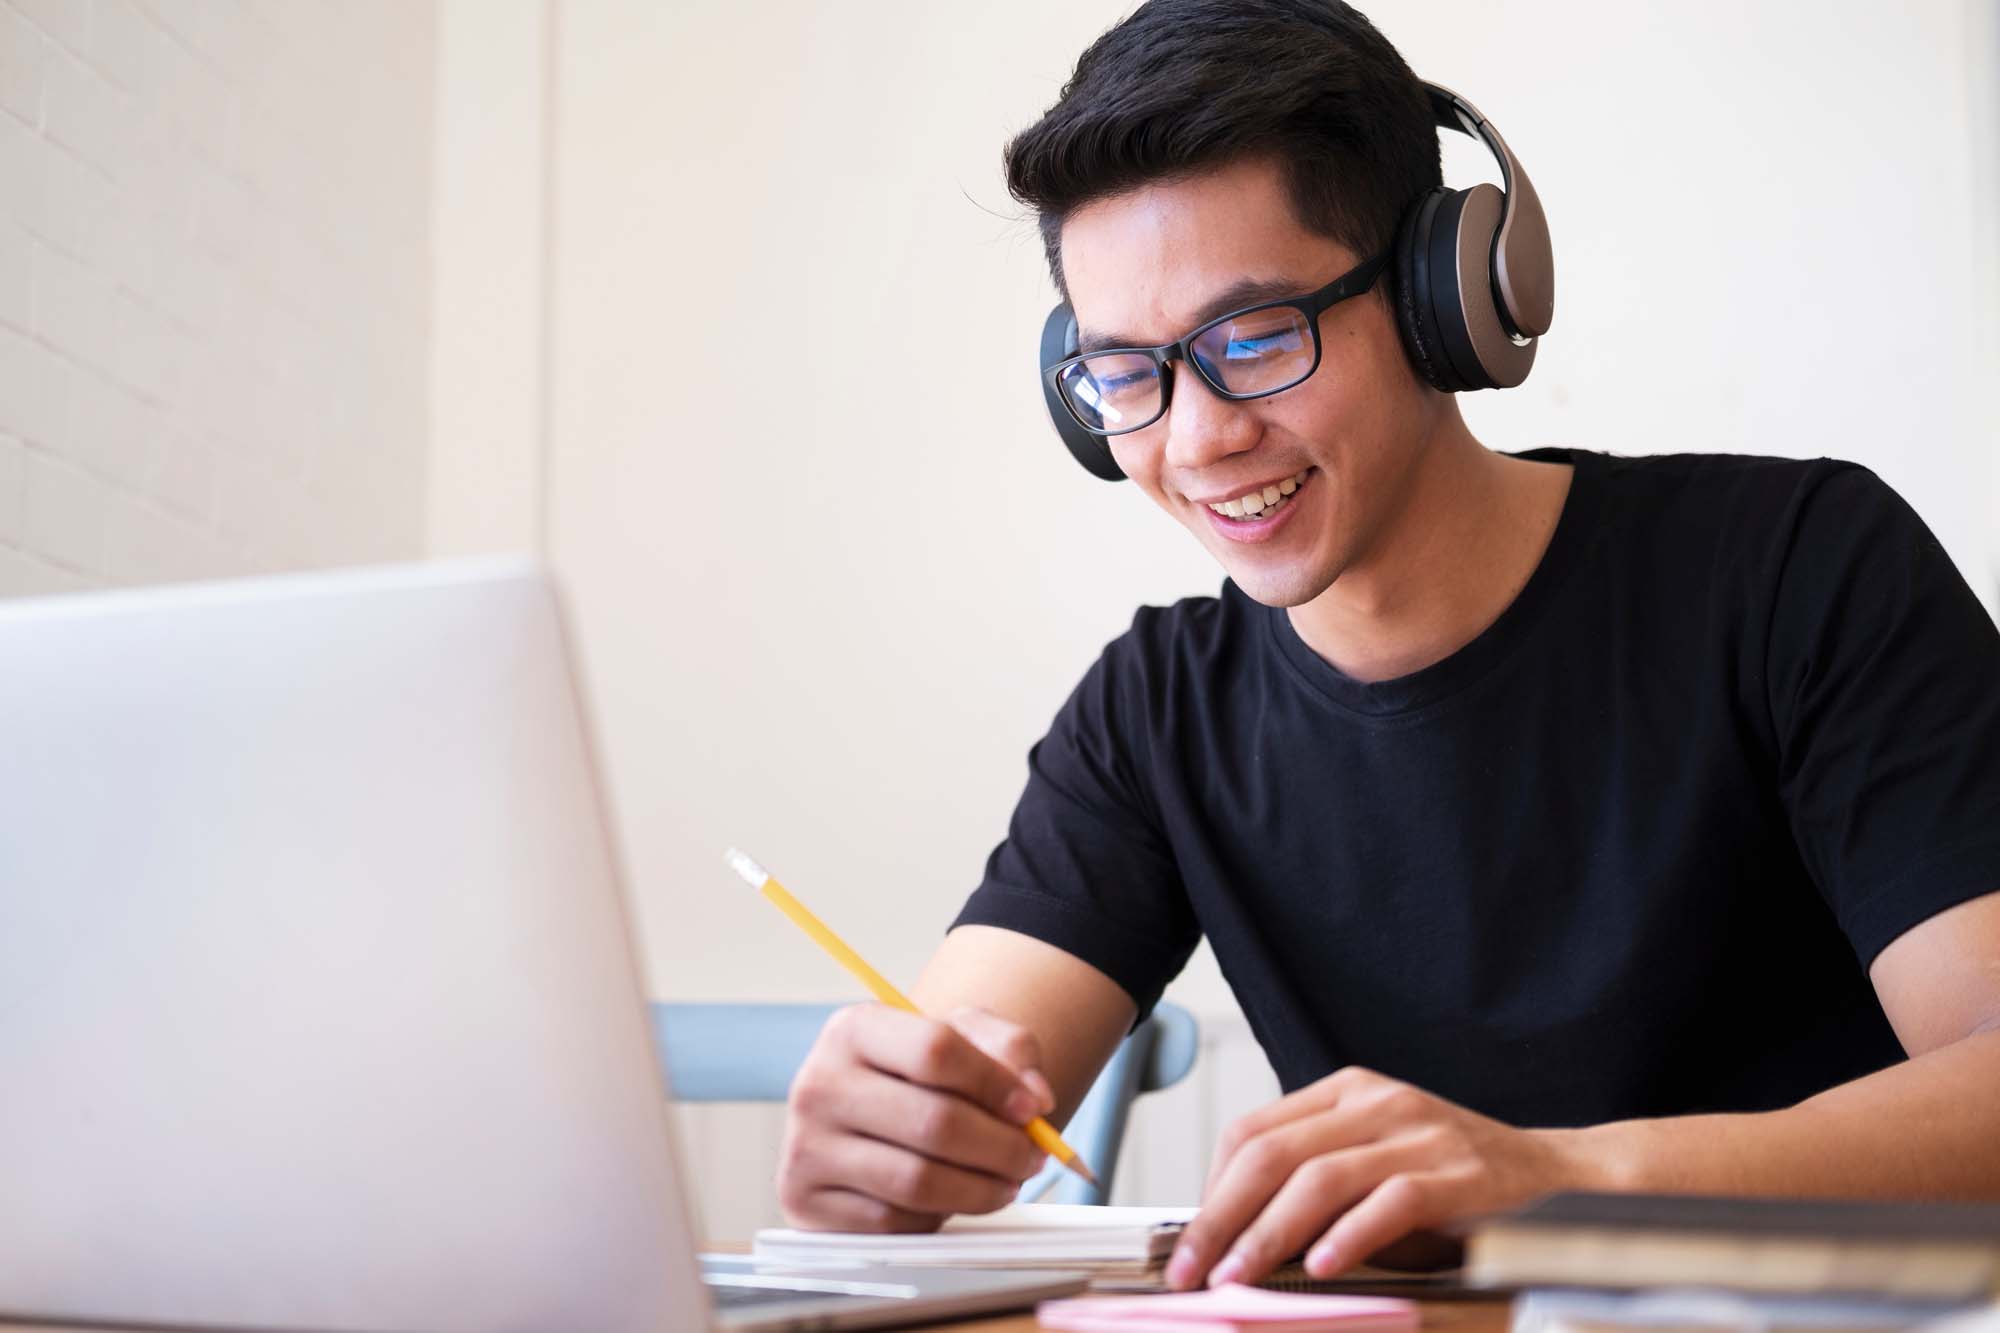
1926 1128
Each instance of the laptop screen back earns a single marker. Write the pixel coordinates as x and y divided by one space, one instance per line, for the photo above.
317 1003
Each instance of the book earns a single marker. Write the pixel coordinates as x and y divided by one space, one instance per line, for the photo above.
1916 1251
1105 1242
1681 1310
1229 1309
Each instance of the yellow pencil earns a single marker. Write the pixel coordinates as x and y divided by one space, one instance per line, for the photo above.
1038 1129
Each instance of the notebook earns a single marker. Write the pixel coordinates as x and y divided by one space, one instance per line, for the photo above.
1822 1247
1229 1309
1105 1242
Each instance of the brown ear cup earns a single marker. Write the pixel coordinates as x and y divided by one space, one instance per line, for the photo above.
1445 303
1464 238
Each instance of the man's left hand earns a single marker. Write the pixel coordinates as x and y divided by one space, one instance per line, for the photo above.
1356 1161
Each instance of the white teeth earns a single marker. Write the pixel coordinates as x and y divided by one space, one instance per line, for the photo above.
1255 503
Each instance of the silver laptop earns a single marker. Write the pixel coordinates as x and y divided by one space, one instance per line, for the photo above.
318 1007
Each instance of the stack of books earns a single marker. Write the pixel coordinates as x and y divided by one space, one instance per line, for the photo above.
1613 1263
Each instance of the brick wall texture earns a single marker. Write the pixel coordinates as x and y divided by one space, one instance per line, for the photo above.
214 287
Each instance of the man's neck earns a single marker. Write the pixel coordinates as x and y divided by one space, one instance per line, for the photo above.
1471 529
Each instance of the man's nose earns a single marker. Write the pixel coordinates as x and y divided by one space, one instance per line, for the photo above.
1203 427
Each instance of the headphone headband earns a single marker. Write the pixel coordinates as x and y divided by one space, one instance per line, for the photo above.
1524 278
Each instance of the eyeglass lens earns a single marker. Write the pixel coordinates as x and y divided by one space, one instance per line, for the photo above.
1259 352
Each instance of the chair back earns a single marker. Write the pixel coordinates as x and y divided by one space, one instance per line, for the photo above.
749 1053
735 1052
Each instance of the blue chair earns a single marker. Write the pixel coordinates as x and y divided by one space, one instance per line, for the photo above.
749 1052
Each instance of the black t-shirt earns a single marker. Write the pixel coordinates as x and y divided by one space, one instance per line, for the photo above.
1629 852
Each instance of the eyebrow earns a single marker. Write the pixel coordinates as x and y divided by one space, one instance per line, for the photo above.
1243 292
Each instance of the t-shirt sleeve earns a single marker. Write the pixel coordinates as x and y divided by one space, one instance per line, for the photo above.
1884 679
1085 865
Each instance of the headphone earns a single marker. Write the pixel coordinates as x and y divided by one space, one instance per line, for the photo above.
1475 286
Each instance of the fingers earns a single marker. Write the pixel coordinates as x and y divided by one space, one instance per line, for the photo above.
1292 1167
935 1055
1321 1095
938 1125
906 1179
1317 1192
898 1120
1397 1206
1265 1214
1359 1110
1253 1176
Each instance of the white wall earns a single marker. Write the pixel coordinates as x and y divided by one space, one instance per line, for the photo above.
489 206
1983 57
214 287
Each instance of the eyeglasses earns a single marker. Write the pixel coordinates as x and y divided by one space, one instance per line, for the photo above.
1249 353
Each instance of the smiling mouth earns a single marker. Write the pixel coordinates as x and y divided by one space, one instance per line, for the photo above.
1255 506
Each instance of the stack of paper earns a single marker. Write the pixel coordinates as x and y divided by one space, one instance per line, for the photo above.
1105 1242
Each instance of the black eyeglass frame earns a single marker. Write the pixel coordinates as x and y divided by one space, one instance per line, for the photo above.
1350 284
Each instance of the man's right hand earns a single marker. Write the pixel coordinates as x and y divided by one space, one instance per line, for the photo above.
897 1121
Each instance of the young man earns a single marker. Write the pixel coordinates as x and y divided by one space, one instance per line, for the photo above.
1559 820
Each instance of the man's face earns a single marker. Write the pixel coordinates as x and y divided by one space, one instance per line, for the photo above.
1150 266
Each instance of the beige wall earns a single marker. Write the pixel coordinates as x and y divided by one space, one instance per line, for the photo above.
214 287
489 211
1983 56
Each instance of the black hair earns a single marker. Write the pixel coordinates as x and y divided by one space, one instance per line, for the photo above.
1184 86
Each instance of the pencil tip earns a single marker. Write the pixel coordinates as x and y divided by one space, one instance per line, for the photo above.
1082 1168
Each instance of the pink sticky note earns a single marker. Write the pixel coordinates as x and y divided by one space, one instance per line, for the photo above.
1230 1309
